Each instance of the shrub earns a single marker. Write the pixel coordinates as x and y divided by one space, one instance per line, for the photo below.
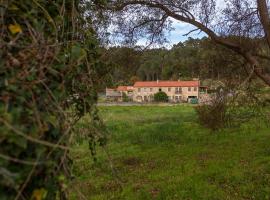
230 108
160 97
125 97
213 115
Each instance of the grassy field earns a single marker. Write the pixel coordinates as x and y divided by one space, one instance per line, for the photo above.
163 153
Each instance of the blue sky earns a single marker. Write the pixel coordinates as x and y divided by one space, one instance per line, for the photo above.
177 35
180 29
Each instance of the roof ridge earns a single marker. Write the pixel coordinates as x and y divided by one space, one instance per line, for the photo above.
167 83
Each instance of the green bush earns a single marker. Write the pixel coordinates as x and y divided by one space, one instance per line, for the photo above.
125 97
161 97
49 71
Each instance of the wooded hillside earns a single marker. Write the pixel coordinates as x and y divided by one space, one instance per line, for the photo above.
194 58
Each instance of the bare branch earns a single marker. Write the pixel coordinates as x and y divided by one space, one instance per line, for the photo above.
35 140
16 160
191 32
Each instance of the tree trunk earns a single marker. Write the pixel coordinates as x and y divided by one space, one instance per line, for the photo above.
264 17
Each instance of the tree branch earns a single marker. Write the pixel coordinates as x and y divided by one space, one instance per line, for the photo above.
186 34
178 17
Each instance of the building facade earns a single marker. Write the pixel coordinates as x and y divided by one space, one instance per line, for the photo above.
121 93
113 95
126 92
177 91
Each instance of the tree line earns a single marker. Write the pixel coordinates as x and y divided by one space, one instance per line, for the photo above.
193 58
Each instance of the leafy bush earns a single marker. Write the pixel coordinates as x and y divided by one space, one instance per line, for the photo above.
49 70
160 97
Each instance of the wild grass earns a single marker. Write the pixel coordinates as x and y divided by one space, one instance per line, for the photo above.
163 153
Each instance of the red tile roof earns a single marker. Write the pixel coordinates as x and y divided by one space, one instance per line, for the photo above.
110 89
167 84
124 88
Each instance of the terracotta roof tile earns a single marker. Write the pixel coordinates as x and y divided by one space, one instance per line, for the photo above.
124 88
167 84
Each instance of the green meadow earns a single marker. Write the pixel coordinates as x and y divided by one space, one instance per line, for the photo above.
161 152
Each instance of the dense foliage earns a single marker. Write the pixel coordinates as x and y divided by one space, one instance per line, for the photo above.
160 97
190 59
48 71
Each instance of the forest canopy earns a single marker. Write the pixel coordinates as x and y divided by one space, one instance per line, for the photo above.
193 58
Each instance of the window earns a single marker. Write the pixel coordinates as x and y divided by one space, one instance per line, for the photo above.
151 89
145 89
189 89
169 89
195 89
159 89
177 98
139 98
178 90
139 89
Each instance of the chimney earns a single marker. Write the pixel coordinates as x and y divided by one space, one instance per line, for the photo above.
179 76
157 81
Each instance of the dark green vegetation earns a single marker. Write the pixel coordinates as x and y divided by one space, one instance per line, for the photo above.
190 59
163 153
160 97
49 70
